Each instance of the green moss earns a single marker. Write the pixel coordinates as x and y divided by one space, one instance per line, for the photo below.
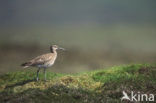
105 85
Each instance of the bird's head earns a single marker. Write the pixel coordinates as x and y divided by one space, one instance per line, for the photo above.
55 47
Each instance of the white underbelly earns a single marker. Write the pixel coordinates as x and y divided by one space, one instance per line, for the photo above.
46 65
49 64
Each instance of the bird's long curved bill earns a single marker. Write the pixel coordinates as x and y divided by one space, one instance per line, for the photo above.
61 48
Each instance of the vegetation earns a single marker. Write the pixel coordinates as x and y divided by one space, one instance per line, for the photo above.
102 86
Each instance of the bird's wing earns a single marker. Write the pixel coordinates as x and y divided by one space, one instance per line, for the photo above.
41 59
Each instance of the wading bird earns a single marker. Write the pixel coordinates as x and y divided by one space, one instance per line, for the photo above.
43 61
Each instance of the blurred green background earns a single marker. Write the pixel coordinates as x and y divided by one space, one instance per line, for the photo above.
96 33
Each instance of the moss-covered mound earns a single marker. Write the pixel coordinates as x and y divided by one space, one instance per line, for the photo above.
101 86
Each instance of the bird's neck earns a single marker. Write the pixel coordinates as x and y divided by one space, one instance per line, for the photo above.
53 51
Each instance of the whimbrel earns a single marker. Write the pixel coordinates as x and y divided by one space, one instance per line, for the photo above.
43 61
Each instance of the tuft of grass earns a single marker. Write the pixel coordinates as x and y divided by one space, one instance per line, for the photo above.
102 86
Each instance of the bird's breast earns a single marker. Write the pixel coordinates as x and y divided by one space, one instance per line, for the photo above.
51 62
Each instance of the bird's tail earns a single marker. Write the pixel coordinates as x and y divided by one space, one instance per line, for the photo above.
26 64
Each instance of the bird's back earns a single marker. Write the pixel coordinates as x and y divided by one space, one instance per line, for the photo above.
42 60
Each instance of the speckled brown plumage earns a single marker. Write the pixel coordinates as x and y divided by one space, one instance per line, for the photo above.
43 61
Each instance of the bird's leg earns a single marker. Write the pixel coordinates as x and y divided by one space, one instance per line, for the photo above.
38 73
45 74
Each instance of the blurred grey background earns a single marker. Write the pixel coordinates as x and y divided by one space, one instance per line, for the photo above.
96 33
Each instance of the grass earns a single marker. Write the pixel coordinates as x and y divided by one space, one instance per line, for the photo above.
102 86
